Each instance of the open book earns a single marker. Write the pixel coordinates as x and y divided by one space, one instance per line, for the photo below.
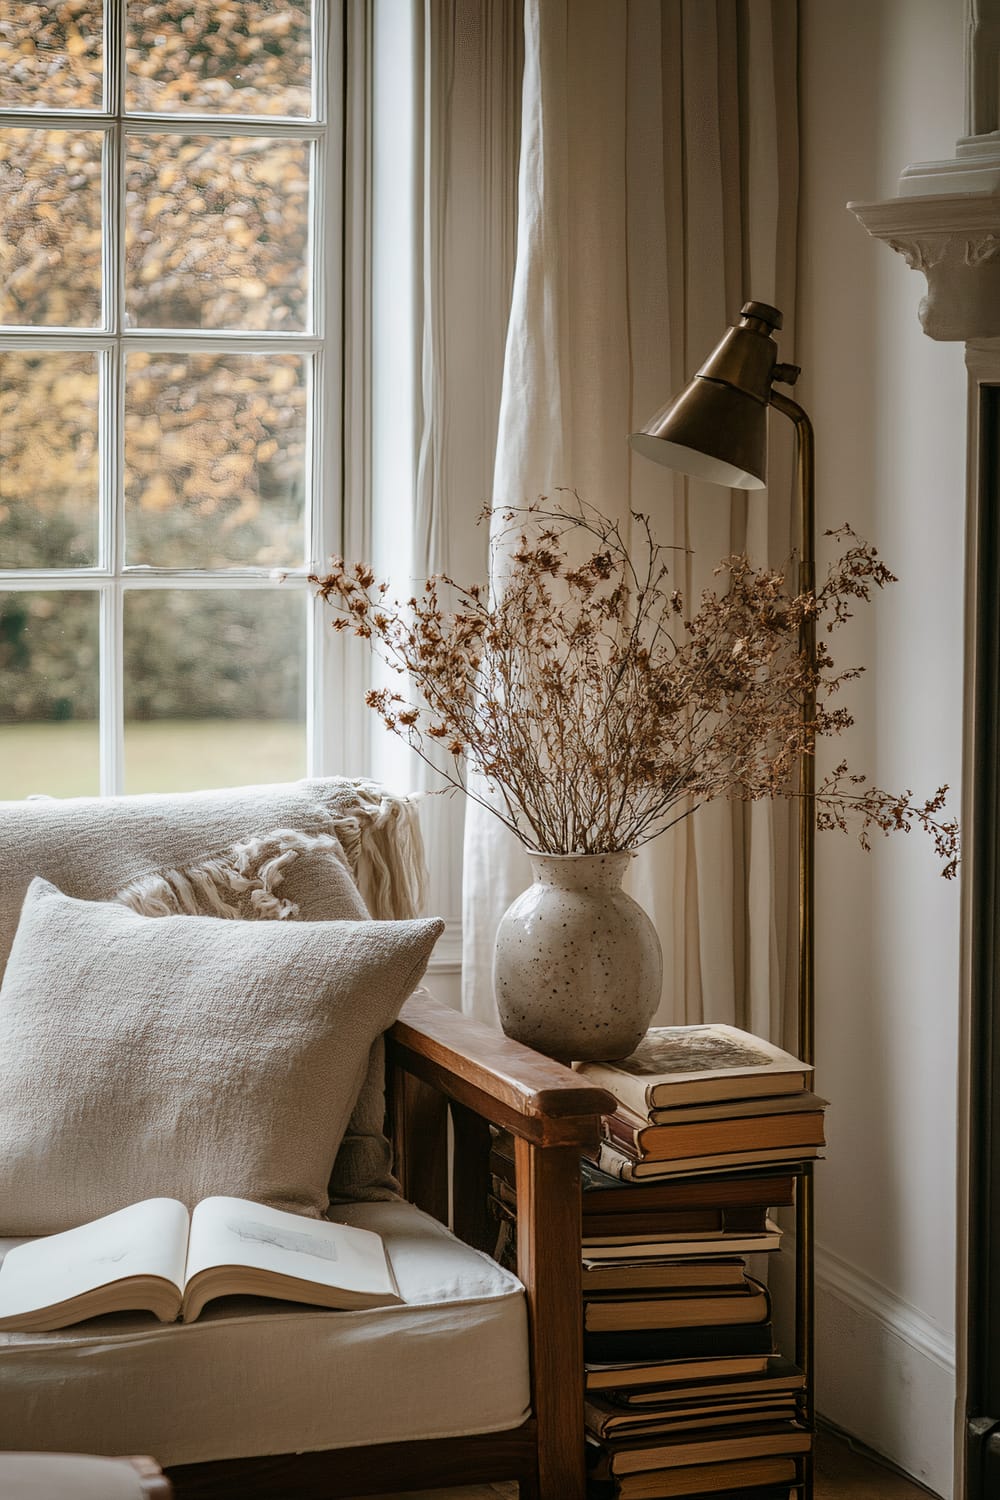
155 1256
678 1065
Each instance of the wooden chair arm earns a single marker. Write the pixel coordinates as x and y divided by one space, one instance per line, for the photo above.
435 1053
532 1096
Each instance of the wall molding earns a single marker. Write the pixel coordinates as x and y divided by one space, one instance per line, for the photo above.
447 956
885 1371
847 1282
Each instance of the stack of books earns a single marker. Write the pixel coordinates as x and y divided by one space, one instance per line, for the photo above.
695 1099
685 1393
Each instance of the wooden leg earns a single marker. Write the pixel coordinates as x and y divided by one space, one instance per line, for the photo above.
548 1262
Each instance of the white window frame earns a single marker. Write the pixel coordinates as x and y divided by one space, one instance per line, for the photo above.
336 727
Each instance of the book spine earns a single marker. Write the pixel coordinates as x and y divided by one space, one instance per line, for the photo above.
674 1142
694 1221
606 1194
669 1313
678 1343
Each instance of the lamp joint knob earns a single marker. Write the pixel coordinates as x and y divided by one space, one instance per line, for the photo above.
761 312
787 374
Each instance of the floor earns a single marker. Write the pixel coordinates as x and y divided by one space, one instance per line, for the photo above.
841 1474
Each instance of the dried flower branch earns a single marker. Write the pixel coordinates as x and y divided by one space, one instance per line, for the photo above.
596 711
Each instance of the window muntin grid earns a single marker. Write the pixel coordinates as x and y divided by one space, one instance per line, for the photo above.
266 477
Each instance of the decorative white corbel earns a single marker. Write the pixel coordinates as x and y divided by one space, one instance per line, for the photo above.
954 239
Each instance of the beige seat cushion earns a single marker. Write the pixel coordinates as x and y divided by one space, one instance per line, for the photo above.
252 1378
184 1057
94 847
67 1476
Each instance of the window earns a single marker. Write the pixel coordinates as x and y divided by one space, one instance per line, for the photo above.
169 389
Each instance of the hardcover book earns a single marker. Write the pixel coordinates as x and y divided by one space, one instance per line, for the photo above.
762 1131
734 1109
156 1257
770 1187
662 1275
618 1162
692 1064
632 1247
748 1303
752 1479
634 1376
777 1377
658 1344
783 1439
682 1222
608 1422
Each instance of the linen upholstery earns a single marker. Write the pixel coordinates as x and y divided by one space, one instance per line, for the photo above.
67 1476
185 1056
94 847
255 1377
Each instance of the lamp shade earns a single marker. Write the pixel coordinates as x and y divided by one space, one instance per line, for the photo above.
716 429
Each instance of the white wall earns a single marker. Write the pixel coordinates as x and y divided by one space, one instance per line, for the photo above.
883 86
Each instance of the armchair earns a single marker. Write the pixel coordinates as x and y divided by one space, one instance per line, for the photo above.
248 1402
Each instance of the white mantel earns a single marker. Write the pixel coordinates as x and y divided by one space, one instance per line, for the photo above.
946 223
945 220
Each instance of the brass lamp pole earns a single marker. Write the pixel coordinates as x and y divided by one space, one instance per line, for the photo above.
716 429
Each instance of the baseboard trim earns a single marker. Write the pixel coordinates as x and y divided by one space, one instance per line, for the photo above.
885 1371
839 1278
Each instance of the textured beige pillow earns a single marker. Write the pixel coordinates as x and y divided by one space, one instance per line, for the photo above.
184 1056
286 875
93 847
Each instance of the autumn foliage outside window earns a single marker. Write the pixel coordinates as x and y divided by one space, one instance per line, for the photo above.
158 354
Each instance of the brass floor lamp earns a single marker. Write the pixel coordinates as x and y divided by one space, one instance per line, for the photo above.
716 429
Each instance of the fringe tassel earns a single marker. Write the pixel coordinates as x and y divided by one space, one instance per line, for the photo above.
218 887
385 851
380 843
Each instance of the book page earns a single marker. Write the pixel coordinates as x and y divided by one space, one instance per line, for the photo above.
145 1239
676 1051
235 1232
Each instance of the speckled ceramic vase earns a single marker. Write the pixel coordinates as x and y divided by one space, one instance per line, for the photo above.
578 965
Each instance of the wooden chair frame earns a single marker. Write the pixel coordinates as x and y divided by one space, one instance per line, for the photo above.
438 1059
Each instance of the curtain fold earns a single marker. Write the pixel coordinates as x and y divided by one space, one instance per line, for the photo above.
446 107
657 191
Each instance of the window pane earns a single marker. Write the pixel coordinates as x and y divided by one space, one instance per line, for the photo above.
50 54
215 449
217 232
249 57
214 687
48 460
50 251
48 694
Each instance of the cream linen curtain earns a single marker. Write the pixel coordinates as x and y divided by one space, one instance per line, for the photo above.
657 192
467 228
446 121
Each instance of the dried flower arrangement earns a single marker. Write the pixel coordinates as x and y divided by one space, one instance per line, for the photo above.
598 712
